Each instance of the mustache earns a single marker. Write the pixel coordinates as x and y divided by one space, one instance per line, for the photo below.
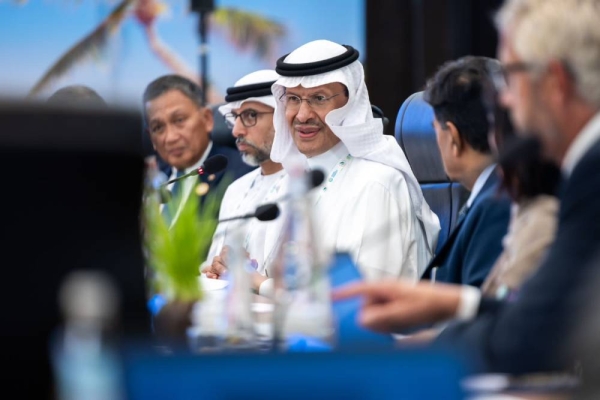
246 142
312 123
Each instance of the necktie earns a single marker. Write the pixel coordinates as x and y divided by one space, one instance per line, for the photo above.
462 213
171 207
176 189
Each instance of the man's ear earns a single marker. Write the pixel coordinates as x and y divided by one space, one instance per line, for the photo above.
456 141
209 120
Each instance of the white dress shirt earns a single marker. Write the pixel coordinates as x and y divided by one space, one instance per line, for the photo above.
479 182
589 135
188 184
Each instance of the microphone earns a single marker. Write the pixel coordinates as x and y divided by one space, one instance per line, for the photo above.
212 165
265 212
316 177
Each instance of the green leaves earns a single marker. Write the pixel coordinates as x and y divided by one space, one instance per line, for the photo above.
249 31
175 253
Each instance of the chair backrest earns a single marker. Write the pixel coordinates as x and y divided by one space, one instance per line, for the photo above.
415 134
221 133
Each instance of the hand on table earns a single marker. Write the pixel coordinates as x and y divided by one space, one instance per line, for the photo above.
218 266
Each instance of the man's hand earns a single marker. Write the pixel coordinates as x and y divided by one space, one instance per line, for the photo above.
257 279
391 306
218 266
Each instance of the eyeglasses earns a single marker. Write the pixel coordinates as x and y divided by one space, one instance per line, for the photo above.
316 101
501 73
248 117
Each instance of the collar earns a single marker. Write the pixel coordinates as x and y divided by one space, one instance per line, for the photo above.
582 143
481 179
198 163
329 159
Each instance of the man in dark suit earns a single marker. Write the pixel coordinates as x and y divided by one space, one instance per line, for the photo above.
179 126
549 80
456 93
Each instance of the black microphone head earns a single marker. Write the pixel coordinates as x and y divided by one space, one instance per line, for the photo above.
316 178
267 212
214 164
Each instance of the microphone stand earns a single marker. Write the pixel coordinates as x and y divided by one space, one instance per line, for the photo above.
203 8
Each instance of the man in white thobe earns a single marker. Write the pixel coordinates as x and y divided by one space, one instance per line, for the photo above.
249 112
370 204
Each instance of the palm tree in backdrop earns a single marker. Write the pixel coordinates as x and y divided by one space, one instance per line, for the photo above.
245 30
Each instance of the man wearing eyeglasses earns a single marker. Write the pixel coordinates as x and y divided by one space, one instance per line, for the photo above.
370 204
249 112
179 126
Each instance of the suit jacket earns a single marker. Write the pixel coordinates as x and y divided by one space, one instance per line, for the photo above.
529 333
475 243
236 168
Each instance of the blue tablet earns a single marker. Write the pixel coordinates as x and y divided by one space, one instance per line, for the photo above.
350 335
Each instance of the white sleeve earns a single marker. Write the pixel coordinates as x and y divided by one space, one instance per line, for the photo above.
468 305
219 236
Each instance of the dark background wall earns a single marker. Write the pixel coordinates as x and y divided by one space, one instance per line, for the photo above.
407 40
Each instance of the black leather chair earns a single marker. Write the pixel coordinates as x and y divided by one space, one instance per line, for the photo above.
415 134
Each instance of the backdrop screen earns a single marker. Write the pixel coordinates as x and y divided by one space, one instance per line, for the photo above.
117 47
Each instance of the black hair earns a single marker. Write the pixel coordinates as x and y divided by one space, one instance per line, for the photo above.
77 96
457 94
165 84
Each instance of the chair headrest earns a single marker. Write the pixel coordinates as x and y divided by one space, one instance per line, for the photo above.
378 113
415 134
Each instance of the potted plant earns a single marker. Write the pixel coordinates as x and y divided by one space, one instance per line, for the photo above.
174 253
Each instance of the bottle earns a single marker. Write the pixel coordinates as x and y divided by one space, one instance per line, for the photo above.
223 320
208 331
155 194
240 333
303 316
155 182
86 364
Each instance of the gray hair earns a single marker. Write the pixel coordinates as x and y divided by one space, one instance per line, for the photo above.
565 30
167 83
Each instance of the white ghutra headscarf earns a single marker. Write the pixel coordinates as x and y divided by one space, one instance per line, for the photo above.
252 87
353 123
